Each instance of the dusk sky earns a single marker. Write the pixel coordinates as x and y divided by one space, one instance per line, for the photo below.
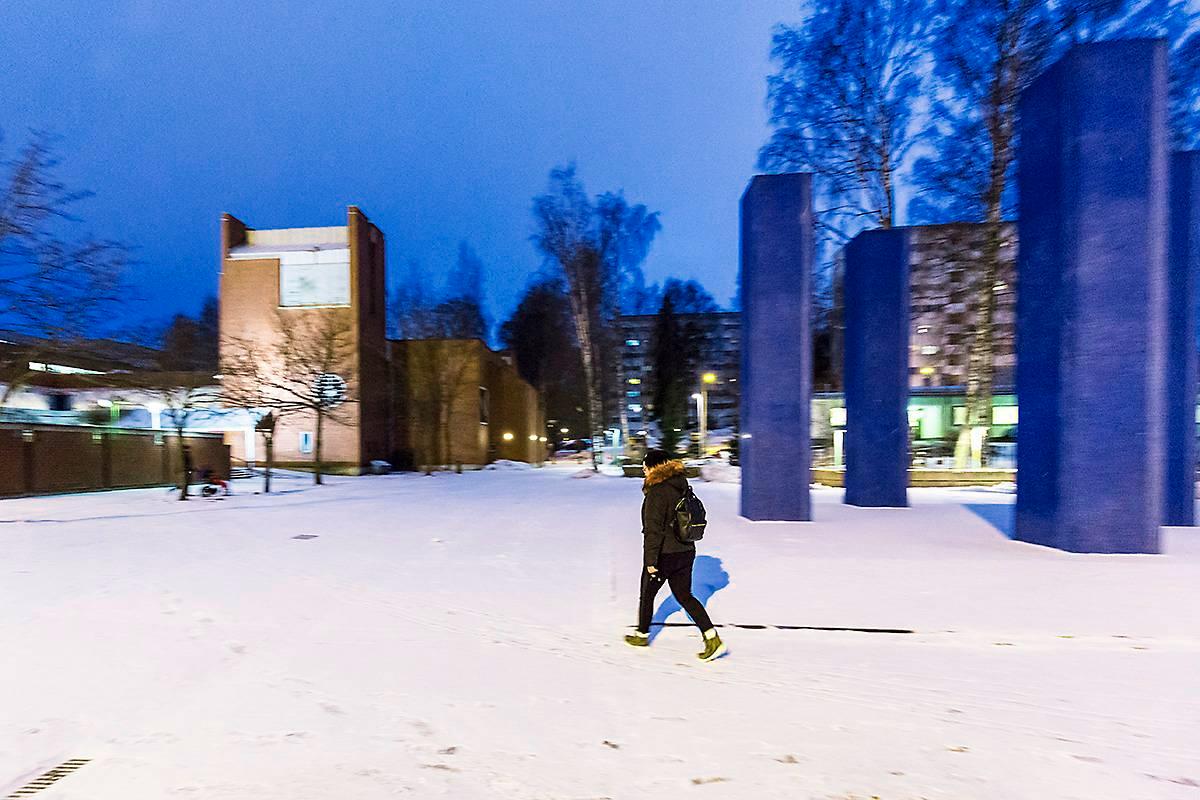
439 119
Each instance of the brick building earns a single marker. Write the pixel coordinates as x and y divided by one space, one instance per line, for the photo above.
269 277
489 412
297 273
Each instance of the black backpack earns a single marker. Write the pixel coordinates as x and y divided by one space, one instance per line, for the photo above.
690 519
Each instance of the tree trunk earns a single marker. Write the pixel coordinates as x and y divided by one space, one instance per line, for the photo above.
317 447
431 435
269 441
444 426
971 446
622 399
972 441
183 465
544 448
594 406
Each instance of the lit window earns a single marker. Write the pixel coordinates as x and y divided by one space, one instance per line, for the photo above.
929 349
837 417
927 370
960 415
1004 415
922 329
635 381
633 394
635 408
633 342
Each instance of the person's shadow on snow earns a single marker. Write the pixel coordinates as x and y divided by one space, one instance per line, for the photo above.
708 578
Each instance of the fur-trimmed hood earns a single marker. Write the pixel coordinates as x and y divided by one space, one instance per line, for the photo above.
663 473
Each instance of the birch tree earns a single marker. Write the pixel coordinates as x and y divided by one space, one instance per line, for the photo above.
842 104
596 245
987 53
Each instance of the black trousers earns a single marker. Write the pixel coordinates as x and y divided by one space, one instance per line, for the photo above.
676 570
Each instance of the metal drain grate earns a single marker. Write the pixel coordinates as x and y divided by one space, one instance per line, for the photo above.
48 779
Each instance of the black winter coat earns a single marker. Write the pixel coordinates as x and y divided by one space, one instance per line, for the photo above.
664 487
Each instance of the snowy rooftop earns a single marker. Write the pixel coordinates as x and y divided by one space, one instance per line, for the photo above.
459 636
267 250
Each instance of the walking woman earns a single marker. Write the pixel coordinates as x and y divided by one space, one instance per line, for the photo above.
665 557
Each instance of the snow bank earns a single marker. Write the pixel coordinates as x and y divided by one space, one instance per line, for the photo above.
720 472
504 465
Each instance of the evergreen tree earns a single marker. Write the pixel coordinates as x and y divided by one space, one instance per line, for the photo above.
670 377
540 338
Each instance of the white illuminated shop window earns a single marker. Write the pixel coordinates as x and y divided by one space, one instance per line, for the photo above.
1004 415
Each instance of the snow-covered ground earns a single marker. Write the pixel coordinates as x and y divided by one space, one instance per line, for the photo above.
459 636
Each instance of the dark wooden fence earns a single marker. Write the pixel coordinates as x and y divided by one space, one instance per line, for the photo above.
47 459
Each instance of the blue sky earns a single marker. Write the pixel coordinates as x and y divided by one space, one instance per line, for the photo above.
440 119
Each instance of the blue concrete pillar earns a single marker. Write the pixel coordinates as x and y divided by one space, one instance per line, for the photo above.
776 378
1183 258
1092 300
878 319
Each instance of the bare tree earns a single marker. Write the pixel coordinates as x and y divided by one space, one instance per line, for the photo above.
298 374
439 352
842 105
184 399
247 385
439 372
986 53
596 246
56 286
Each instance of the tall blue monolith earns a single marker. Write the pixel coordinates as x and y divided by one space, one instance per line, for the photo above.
776 378
878 319
1183 258
1092 300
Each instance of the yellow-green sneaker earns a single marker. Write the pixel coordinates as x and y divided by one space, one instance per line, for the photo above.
714 648
638 639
